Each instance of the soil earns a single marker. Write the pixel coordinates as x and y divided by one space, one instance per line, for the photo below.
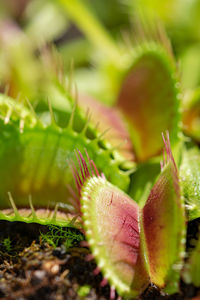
31 269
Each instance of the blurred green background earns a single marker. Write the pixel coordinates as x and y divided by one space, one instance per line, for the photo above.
41 41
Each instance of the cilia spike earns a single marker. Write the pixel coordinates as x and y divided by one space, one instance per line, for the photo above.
84 170
168 151
124 239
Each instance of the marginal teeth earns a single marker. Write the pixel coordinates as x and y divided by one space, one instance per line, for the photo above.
108 275
87 223
84 198
89 232
13 204
183 240
95 180
86 214
101 264
84 207
89 184
91 242
96 252
87 189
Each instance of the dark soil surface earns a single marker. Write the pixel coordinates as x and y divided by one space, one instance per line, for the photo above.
31 269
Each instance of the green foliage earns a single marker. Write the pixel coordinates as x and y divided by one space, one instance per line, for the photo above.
55 236
9 248
142 180
7 244
133 68
190 179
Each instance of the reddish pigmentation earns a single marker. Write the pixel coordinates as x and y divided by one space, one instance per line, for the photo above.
132 246
111 119
147 91
162 221
111 225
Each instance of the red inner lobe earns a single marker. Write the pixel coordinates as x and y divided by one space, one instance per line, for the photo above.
129 234
118 228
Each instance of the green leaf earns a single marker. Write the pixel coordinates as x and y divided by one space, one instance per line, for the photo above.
112 228
149 100
111 223
190 180
164 227
142 180
83 291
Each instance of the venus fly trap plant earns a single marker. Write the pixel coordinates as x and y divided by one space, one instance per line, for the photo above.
133 245
130 209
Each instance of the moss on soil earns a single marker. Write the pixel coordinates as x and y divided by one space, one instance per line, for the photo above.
32 269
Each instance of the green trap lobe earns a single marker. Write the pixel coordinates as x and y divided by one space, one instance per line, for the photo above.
190 180
34 162
111 223
148 98
163 226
